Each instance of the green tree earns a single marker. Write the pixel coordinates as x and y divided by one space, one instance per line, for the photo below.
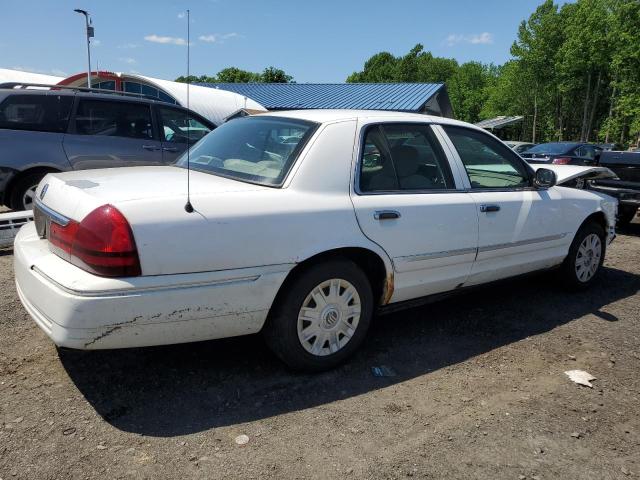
237 75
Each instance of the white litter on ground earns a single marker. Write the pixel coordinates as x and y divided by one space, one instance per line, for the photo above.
580 377
242 439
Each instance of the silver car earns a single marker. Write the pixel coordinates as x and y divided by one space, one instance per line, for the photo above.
43 131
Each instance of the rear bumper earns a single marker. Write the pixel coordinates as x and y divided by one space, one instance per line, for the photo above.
79 310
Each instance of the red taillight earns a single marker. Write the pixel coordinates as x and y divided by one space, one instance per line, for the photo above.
561 161
102 243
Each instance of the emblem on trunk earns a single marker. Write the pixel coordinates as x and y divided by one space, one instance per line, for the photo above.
43 192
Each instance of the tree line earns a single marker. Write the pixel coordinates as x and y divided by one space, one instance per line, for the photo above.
574 74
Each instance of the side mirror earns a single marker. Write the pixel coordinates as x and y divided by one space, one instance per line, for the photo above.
545 178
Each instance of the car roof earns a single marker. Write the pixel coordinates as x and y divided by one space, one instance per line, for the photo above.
70 92
330 116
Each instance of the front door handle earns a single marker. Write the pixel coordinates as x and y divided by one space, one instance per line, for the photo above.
152 148
489 208
386 214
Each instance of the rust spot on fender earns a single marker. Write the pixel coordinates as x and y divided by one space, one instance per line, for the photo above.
387 290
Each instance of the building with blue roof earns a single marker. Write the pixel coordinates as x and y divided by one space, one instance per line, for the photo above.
427 98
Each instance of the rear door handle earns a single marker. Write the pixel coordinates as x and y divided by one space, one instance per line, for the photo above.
489 208
386 214
152 148
170 149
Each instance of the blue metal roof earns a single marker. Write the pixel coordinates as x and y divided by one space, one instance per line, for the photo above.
406 97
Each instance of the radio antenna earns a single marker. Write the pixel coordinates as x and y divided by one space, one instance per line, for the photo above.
188 207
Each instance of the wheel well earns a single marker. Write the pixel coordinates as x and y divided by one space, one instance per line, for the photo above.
20 175
597 217
370 263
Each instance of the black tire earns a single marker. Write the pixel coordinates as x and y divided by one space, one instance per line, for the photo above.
20 187
626 215
569 275
281 330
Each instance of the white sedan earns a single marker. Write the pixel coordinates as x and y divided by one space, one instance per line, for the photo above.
304 224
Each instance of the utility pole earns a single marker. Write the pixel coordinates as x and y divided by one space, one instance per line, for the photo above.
90 34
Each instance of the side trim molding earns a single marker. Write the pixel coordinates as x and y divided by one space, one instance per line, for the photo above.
499 246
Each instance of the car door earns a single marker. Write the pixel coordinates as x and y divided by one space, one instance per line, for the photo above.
111 133
409 201
521 228
179 128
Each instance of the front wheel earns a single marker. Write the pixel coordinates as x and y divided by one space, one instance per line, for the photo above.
586 255
322 317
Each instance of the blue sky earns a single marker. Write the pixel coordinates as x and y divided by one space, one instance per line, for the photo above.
315 41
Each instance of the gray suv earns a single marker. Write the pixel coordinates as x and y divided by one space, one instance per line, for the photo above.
43 131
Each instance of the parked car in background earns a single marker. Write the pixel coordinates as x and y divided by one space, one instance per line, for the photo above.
303 240
46 131
608 147
563 153
519 147
626 188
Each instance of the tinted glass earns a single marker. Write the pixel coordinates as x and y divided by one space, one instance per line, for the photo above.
489 163
43 113
377 172
552 148
178 127
403 157
254 149
586 151
114 119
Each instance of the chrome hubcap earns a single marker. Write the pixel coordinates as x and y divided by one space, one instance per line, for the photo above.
329 317
588 257
28 197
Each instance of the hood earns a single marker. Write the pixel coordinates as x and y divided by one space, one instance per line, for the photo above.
567 173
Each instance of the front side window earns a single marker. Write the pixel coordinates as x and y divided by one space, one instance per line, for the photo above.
489 163
42 113
114 119
177 126
403 157
254 149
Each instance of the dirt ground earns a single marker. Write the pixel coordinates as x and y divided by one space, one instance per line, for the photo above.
478 392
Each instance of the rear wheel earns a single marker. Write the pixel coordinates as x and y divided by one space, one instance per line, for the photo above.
586 255
23 193
322 317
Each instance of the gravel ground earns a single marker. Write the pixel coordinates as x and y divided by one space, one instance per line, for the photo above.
478 392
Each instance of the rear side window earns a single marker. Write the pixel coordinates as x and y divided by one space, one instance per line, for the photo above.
113 119
42 113
403 157
177 126
488 162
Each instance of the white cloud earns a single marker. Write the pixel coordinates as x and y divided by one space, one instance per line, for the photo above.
218 37
96 43
182 15
483 38
128 60
165 40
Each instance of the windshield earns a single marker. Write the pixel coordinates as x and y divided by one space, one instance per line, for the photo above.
552 148
253 149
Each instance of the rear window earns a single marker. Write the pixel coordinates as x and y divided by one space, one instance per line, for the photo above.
253 149
552 148
43 113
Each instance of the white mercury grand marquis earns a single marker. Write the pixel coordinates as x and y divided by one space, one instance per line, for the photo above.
304 224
